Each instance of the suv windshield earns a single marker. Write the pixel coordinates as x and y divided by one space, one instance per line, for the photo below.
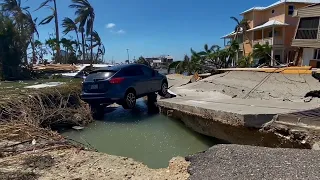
99 75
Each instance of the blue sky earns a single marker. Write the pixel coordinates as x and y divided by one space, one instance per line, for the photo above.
155 27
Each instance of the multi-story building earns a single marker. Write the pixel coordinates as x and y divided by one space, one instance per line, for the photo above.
275 25
158 62
307 36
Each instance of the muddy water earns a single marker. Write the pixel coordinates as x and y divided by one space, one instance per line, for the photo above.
144 136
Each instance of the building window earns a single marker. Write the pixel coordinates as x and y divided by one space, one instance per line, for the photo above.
316 54
308 28
272 11
290 10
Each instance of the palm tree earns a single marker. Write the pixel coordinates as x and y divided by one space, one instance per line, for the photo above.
241 26
48 19
263 53
233 52
245 61
32 27
98 43
69 25
85 15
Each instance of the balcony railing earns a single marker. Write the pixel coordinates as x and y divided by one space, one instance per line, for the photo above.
270 41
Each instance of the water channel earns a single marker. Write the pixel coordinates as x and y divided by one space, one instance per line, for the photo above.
146 137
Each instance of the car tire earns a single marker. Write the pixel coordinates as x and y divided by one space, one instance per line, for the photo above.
97 111
164 89
130 100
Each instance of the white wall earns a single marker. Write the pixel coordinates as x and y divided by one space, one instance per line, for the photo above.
307 55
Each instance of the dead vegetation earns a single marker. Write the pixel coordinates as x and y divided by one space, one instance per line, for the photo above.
26 119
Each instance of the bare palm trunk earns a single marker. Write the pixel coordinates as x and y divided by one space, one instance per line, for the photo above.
78 42
91 44
34 60
83 47
58 55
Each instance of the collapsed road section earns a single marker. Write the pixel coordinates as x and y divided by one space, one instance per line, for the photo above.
252 108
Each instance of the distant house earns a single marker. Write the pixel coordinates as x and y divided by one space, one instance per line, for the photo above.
274 24
158 62
307 36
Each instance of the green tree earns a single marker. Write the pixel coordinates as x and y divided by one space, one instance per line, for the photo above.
48 19
188 65
142 60
263 53
23 22
85 15
245 61
10 49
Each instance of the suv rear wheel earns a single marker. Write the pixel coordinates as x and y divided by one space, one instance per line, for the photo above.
130 99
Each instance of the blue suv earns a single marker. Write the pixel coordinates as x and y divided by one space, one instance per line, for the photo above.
122 84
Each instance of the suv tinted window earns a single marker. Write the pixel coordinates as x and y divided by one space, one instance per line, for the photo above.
132 71
99 75
147 71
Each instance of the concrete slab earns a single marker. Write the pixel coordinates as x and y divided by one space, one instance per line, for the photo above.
245 112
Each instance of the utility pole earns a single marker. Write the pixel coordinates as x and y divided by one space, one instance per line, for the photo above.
128 55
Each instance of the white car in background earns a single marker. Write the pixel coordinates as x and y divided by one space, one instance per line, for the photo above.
83 71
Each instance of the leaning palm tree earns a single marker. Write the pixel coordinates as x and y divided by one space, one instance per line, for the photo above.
32 29
69 25
97 43
48 19
241 26
85 15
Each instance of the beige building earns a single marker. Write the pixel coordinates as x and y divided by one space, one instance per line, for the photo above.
274 24
307 36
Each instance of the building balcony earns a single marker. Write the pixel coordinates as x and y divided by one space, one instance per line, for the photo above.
271 41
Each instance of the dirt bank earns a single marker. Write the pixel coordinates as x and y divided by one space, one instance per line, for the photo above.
78 164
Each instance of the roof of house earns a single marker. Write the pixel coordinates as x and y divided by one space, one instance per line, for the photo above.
269 24
230 34
265 25
280 2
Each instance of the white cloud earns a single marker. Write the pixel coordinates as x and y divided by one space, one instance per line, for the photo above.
121 31
110 25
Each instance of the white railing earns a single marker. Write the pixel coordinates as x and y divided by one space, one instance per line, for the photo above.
271 41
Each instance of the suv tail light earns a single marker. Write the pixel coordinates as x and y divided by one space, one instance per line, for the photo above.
116 80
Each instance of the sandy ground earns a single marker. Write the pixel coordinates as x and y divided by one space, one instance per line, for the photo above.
250 85
78 164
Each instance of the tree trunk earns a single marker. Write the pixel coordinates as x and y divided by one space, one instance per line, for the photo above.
58 55
34 60
91 30
83 47
243 45
78 42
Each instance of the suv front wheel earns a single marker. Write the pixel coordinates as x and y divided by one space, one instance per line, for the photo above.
129 101
164 89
